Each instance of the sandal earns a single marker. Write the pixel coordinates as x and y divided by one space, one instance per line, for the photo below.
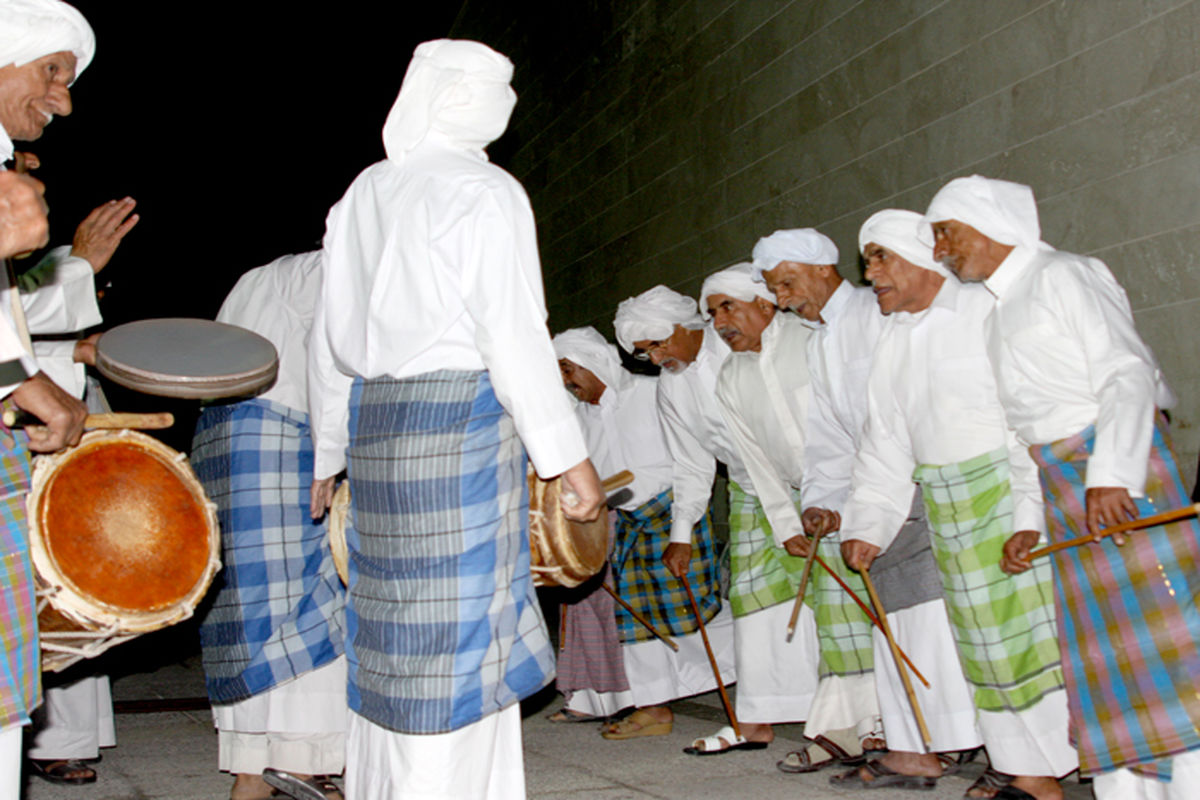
882 777
636 725
799 761
318 787
987 784
723 741
58 770
953 762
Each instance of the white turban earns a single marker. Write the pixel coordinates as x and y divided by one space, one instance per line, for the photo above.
457 88
653 315
1003 211
897 230
588 348
738 282
30 29
802 245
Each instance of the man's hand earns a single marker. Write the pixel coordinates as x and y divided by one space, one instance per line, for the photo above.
582 497
1107 506
1016 552
820 521
97 237
321 497
677 558
859 555
85 350
799 545
62 413
23 223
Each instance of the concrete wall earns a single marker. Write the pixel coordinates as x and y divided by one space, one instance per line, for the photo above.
658 140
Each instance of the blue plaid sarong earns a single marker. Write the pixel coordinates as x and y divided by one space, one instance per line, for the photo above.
279 610
443 624
20 653
642 580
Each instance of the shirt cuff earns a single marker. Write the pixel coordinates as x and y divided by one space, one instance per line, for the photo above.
555 448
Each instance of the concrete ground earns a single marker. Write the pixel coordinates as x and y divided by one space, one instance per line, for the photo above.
173 754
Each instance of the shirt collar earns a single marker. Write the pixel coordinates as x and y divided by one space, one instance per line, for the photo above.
834 306
1010 270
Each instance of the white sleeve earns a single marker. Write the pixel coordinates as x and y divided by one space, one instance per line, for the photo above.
692 469
828 454
59 294
57 360
1029 513
328 401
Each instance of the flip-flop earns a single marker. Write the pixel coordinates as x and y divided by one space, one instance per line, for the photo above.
882 778
55 770
803 763
637 725
566 716
1013 793
317 787
725 736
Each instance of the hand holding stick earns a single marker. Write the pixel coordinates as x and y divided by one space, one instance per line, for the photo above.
712 659
1137 524
908 687
799 604
157 421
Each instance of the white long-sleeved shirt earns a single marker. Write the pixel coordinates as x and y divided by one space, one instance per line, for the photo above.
697 436
1066 355
839 362
623 431
932 399
276 301
433 265
765 398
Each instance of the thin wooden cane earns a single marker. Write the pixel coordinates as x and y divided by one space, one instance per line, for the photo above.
871 616
1137 524
712 659
640 619
799 604
908 687
562 627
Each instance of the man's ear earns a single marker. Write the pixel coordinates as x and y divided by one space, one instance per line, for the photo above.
764 305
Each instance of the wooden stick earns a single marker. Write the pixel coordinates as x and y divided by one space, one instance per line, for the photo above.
614 482
908 687
712 659
871 615
562 627
22 419
639 618
1137 524
808 565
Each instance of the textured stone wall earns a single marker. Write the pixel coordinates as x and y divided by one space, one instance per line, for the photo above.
658 140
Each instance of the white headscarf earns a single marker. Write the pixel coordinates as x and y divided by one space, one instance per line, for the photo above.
30 29
588 348
802 245
456 88
653 315
1003 211
897 230
738 282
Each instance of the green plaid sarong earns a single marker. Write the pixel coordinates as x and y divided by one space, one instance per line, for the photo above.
762 573
843 630
1004 625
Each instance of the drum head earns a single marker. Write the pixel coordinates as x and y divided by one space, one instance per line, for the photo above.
192 358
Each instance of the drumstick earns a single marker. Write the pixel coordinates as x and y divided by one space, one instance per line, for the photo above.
712 659
23 419
908 687
1145 522
614 482
808 565
639 618
871 615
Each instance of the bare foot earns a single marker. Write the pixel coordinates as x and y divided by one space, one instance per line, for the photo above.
249 787
659 713
1042 787
907 763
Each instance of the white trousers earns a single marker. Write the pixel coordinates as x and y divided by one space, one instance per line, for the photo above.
10 762
657 674
923 632
482 761
75 721
777 680
299 726
1122 784
1033 741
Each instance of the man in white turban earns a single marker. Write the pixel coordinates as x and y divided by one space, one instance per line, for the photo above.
934 416
431 375
1083 391
619 416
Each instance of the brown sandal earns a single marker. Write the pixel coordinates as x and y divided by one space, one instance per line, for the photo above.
799 761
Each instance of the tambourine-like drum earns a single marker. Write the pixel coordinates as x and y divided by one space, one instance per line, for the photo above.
123 539
190 358
339 512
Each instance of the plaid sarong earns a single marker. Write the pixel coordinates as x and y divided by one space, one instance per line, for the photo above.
762 573
1128 617
20 653
279 610
589 655
644 582
843 630
443 626
1003 624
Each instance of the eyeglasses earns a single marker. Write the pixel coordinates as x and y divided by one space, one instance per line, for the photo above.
644 354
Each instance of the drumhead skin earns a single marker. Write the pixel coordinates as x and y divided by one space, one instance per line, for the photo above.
190 358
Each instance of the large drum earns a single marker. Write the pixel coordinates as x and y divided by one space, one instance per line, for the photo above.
123 539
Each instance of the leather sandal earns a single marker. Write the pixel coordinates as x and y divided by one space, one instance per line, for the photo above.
636 725
882 777
318 787
799 761
58 770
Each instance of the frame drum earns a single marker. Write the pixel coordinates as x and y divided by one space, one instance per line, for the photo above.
124 541
190 358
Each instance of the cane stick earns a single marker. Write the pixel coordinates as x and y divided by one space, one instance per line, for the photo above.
614 482
891 640
639 618
157 421
1137 524
562 627
808 565
712 659
871 616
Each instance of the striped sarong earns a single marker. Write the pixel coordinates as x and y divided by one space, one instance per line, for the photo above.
589 655
1128 619
843 630
763 574
1003 624
644 582
20 653
443 626
279 608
